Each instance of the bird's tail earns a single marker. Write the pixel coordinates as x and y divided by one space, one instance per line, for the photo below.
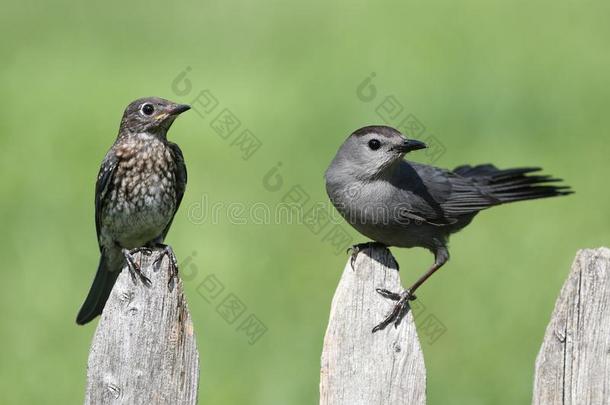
511 185
100 291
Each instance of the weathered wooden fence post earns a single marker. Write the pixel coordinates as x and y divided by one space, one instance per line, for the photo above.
359 367
144 349
573 365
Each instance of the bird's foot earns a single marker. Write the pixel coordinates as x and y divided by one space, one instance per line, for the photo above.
361 247
400 309
143 249
173 262
134 268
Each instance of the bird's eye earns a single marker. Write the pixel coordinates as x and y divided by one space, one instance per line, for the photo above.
148 109
374 144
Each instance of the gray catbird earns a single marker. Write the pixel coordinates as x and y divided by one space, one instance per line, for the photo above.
139 188
406 204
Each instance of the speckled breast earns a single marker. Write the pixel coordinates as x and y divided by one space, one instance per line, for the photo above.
143 197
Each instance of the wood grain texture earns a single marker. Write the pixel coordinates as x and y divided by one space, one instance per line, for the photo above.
144 349
573 365
359 367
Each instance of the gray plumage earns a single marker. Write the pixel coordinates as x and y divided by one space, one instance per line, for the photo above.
139 188
399 203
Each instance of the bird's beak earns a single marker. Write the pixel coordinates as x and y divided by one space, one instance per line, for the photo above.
179 109
409 145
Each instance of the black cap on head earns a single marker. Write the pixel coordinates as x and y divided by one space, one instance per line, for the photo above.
382 130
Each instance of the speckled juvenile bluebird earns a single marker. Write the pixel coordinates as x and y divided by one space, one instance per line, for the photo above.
139 188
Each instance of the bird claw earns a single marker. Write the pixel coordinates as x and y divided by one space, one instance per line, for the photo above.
400 309
143 249
134 268
360 247
388 294
173 263
353 251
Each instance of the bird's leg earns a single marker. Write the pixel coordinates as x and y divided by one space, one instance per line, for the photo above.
143 250
360 247
134 268
402 305
173 262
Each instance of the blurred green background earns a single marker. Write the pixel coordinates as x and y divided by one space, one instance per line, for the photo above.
514 83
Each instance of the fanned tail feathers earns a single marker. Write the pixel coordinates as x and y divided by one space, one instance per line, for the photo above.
509 185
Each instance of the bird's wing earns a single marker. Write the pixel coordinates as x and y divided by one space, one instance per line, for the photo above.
420 192
103 187
468 196
470 189
180 183
438 196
